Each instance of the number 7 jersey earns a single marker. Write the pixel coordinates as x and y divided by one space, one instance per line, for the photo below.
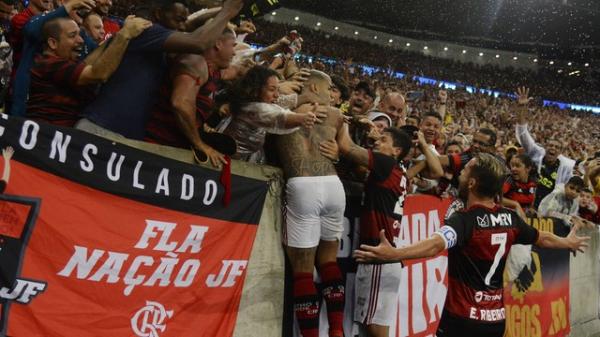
478 241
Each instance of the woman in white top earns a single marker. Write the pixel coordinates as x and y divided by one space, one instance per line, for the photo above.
254 113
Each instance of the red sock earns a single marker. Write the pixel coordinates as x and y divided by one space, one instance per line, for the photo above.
334 294
306 304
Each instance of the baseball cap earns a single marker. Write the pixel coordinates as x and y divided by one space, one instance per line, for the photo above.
366 87
373 115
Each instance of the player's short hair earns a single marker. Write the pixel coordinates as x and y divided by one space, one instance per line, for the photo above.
400 139
317 76
490 173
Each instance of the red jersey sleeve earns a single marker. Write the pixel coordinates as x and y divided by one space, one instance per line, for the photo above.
380 166
506 187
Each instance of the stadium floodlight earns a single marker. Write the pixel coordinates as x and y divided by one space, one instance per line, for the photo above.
497 56
445 48
464 51
297 18
515 58
587 64
551 62
570 64
535 60
408 44
425 48
390 41
480 54
318 24
336 28
274 13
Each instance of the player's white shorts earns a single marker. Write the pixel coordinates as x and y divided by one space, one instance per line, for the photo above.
314 211
376 293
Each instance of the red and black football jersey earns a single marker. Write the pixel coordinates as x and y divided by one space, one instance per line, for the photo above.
458 162
523 193
478 241
383 203
54 95
163 128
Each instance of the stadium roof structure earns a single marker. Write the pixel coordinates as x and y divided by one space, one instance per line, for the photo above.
562 29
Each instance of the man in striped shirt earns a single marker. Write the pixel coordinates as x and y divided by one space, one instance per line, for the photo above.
60 83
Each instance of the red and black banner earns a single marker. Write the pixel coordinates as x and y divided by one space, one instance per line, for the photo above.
537 303
100 239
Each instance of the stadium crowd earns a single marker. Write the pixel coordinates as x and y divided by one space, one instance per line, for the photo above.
159 74
546 82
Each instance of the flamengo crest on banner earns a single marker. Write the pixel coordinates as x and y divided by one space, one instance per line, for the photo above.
150 319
